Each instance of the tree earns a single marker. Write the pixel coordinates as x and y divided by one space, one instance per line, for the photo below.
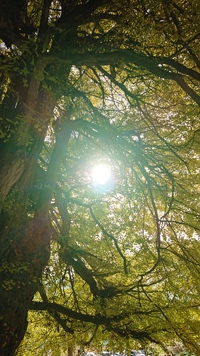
91 81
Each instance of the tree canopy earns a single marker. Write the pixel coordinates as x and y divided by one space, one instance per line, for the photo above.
116 83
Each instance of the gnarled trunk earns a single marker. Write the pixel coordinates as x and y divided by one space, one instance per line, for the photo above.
24 254
25 239
24 228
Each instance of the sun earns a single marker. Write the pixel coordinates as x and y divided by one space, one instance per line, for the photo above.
101 174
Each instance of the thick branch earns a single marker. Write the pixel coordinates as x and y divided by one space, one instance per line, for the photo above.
97 320
63 130
181 68
81 269
44 17
128 56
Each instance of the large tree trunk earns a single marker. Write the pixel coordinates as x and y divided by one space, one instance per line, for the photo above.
24 254
24 233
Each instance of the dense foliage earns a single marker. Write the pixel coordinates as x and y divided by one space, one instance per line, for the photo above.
87 82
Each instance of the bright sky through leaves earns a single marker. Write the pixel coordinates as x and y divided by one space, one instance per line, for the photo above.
101 174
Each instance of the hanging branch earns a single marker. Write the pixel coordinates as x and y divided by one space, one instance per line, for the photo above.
54 313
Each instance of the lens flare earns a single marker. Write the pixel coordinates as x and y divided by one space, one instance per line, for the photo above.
101 174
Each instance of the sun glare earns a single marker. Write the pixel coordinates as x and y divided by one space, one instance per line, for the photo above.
101 174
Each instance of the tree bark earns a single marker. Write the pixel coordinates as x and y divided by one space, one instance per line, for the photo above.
24 248
24 254
25 236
